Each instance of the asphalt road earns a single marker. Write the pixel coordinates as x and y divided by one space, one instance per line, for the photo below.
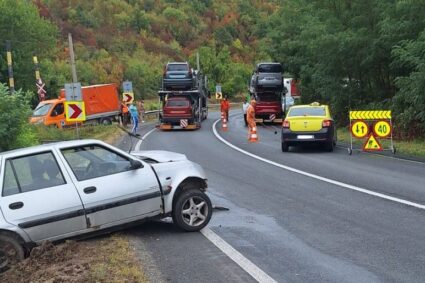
294 227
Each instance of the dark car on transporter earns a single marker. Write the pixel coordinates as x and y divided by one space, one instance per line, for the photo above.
178 76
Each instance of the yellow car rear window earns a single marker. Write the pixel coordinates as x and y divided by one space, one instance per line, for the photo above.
307 111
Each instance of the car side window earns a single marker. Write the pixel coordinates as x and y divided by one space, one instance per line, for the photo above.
30 173
93 161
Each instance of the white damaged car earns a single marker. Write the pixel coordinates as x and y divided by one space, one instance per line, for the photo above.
67 189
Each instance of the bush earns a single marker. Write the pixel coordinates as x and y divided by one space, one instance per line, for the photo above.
14 114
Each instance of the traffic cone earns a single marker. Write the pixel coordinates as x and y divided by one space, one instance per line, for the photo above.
253 137
224 125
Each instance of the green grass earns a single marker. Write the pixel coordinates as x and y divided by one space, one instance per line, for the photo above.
412 148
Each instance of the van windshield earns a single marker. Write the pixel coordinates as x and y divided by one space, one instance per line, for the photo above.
42 109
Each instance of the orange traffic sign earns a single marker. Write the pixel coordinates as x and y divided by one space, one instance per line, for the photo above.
359 129
372 144
382 129
75 111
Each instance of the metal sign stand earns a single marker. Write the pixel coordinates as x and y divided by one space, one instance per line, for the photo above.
371 119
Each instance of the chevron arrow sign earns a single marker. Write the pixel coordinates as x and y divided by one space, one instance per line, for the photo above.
370 115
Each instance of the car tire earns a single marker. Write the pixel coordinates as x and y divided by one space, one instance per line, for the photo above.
285 147
11 252
190 205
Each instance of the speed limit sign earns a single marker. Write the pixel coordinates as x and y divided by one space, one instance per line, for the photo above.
382 129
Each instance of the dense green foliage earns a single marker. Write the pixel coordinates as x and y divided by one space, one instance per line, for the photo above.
14 114
117 40
352 54
356 55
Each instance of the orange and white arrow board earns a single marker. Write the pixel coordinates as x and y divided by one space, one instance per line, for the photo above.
128 97
75 111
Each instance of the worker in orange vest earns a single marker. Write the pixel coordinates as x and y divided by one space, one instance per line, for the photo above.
224 107
124 114
250 115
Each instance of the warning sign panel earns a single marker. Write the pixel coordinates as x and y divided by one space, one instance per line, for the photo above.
359 129
75 111
382 129
372 144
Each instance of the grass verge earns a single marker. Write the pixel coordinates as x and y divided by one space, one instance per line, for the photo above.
412 148
102 259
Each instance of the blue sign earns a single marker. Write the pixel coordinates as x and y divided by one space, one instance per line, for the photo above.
127 86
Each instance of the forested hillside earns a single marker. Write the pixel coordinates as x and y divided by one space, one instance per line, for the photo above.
116 40
352 54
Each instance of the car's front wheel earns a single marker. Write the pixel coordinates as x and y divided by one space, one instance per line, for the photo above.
11 252
192 210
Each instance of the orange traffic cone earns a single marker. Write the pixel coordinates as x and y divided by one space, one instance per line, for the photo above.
224 125
253 137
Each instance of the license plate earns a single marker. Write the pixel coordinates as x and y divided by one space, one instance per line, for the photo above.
177 76
305 137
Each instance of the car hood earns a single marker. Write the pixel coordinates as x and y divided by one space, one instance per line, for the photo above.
160 156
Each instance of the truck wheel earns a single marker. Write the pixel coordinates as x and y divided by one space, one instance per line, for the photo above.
105 121
192 210
11 252
285 147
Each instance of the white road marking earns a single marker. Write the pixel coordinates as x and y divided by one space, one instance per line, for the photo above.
237 257
227 249
139 143
330 181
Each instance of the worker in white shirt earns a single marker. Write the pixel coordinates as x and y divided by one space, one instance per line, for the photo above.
245 106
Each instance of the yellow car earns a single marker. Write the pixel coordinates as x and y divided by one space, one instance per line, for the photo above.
307 124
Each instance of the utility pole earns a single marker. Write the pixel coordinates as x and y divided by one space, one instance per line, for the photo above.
10 67
72 57
74 72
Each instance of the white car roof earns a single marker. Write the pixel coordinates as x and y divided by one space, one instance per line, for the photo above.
47 146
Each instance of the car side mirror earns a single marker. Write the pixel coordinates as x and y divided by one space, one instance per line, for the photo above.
135 164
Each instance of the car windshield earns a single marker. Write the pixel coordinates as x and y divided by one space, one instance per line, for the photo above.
177 103
307 111
42 109
270 68
268 97
177 67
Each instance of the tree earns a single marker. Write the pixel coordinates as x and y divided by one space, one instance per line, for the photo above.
14 115
21 24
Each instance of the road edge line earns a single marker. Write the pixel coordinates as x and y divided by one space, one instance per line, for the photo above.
317 177
247 265
139 143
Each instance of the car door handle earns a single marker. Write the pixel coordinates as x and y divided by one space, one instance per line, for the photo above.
89 190
16 205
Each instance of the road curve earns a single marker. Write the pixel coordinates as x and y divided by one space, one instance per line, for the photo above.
293 227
